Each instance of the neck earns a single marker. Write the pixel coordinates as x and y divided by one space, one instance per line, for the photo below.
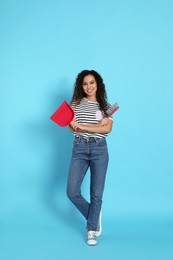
92 99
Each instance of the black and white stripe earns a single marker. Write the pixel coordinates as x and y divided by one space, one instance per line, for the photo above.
85 113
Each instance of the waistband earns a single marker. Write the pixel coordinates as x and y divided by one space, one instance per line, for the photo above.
88 139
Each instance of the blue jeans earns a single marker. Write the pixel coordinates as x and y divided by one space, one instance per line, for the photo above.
87 153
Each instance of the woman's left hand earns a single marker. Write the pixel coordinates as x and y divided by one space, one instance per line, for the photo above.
103 121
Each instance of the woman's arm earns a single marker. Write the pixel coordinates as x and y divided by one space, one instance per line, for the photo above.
71 128
93 128
71 125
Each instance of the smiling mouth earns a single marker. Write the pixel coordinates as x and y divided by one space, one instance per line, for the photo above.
89 90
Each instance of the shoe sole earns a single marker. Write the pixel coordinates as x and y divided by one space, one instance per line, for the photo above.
92 243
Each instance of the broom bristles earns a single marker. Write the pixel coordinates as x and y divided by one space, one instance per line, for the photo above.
112 109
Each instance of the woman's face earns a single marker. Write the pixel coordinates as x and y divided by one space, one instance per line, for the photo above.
90 87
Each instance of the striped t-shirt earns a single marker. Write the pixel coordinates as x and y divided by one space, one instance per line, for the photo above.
88 112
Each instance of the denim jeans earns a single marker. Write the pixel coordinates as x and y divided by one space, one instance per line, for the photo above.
88 153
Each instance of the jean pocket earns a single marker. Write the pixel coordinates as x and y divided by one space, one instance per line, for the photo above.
75 142
102 142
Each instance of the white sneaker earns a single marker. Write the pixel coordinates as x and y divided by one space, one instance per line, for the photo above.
91 241
99 231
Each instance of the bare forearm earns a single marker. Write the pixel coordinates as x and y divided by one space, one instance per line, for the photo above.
71 128
103 127
96 128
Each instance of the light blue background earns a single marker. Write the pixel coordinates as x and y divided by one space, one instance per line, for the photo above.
43 46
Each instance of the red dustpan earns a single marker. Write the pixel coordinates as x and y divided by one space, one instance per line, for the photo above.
63 115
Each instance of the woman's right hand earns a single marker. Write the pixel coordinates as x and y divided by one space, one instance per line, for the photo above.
75 125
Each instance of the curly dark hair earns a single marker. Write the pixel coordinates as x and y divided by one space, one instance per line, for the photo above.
101 94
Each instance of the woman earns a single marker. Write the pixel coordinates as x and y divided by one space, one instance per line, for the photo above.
89 103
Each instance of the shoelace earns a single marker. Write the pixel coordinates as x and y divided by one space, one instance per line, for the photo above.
91 234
